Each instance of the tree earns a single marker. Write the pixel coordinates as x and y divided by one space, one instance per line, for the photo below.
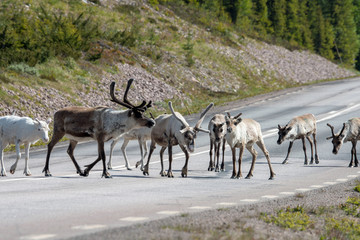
345 31
261 18
293 34
278 17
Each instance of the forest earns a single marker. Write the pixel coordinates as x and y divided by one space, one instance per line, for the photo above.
330 28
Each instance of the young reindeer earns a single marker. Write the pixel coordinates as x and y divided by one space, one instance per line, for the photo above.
100 124
171 130
21 130
300 127
217 129
243 133
142 135
349 132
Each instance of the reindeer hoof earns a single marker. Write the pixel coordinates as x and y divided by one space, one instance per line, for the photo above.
271 178
130 169
285 162
12 171
27 174
109 167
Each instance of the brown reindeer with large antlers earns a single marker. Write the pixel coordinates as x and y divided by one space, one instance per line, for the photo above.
171 130
100 124
349 132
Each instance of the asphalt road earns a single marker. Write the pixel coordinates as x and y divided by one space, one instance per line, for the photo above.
67 205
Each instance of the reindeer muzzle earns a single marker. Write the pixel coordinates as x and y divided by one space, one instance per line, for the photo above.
150 123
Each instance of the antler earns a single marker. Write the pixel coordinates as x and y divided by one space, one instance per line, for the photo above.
202 116
332 131
228 113
179 119
342 130
126 103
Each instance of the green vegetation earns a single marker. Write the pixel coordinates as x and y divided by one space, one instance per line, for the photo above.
330 28
294 218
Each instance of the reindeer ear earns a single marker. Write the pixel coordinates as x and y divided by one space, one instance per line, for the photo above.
279 127
289 128
48 120
238 120
37 121
329 138
182 131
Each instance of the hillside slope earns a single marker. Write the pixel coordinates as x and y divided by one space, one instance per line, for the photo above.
217 70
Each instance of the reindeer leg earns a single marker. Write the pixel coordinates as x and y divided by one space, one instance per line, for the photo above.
55 139
26 169
169 173
152 147
18 156
184 170
162 172
353 153
316 154
111 152
141 154
254 155
105 174
304 148
239 174
223 156
312 149
3 171
233 151
123 149
266 153
217 155
288 153
70 152
211 163
356 159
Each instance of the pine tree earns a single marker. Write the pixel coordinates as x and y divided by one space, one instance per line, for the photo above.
306 38
261 19
278 17
245 15
345 31
357 23
293 34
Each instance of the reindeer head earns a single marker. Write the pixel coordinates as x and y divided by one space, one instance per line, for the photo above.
218 130
42 129
283 132
136 113
232 122
187 133
337 140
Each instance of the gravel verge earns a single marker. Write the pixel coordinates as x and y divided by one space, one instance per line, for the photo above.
243 221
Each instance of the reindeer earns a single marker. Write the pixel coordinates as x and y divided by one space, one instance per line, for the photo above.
171 130
100 123
142 135
21 130
300 127
349 132
243 133
217 128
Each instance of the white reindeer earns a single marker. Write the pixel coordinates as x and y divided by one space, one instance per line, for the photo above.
217 128
300 127
21 130
170 130
101 124
350 132
142 135
243 133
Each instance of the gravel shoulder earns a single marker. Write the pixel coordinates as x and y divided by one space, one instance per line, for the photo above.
244 221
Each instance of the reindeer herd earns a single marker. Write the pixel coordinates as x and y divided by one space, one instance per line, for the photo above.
167 130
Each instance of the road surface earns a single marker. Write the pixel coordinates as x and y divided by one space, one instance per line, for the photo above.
67 205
